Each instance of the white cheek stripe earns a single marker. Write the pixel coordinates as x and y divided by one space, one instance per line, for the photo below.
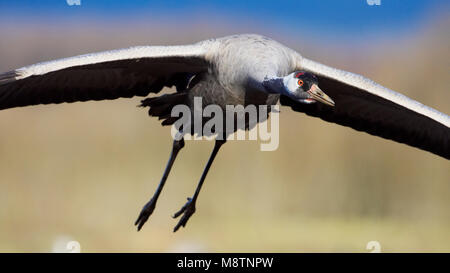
290 83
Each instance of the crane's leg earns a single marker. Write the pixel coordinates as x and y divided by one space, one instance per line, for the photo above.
189 208
147 210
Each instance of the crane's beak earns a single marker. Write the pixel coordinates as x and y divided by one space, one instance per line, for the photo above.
319 95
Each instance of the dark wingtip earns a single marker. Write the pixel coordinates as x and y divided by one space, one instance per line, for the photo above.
9 76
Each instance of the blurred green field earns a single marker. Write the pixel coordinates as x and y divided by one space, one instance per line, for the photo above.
83 171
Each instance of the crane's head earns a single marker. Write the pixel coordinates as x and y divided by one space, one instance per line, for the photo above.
304 87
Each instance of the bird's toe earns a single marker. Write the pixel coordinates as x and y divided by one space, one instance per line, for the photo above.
146 211
187 210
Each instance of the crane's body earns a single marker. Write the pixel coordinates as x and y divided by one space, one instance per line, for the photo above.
243 70
249 60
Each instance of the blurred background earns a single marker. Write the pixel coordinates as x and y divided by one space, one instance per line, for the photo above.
83 171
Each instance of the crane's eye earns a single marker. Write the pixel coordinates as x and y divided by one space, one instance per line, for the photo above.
300 83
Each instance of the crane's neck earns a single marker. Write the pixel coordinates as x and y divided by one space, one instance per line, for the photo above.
275 85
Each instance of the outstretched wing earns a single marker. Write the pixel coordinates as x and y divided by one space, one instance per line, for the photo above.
135 71
367 106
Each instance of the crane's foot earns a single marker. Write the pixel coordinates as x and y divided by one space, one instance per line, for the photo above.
187 210
146 211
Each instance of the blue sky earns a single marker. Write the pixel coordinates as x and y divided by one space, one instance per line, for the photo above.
321 16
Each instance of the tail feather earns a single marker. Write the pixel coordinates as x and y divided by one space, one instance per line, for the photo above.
161 106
